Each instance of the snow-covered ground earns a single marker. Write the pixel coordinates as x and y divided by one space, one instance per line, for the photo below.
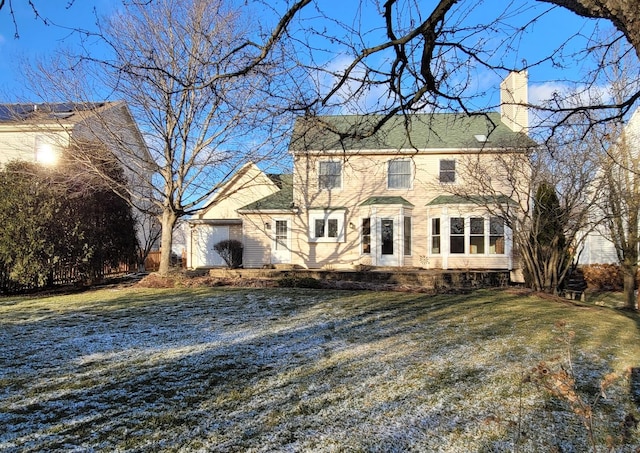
283 370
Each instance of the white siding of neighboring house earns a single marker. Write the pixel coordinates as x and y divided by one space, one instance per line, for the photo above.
19 143
597 249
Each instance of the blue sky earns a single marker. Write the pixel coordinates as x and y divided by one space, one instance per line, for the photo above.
38 39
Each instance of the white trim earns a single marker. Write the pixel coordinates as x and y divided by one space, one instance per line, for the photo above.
325 215
413 152
279 256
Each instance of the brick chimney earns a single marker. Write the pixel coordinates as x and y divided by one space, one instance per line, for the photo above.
513 101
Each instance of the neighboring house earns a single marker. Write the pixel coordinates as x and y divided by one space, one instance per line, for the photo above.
596 246
41 132
381 200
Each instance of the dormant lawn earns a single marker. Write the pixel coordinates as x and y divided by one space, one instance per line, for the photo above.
230 370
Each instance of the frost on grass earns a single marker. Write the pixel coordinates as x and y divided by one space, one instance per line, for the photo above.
277 370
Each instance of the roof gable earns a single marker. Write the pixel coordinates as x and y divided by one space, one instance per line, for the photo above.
283 199
247 184
479 200
372 201
418 132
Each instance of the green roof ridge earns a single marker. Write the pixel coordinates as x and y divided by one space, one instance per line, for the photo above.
417 131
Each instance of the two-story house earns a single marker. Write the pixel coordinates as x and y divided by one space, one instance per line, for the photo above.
43 132
383 198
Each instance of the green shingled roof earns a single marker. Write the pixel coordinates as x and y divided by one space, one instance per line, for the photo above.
419 131
385 200
283 199
477 200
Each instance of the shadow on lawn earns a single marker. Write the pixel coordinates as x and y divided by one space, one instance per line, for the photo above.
297 370
634 380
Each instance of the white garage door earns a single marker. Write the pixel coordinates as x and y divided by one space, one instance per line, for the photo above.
209 236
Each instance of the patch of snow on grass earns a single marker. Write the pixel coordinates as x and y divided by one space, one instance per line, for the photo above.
280 371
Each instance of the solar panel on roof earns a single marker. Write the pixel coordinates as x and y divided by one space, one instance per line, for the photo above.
11 112
63 107
5 113
58 110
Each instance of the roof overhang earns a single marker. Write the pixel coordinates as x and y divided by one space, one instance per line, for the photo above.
268 211
214 221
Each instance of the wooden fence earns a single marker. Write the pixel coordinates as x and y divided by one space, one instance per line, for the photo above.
61 276
152 263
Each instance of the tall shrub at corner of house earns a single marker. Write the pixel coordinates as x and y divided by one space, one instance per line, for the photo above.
57 219
546 256
231 252
28 206
99 224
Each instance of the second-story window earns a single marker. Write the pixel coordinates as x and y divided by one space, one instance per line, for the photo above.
399 174
330 175
447 171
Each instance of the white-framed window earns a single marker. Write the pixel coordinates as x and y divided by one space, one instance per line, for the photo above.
473 235
330 175
456 235
326 225
281 234
366 236
496 236
476 235
435 236
399 174
407 236
447 171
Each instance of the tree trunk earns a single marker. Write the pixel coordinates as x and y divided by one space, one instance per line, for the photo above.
629 278
168 221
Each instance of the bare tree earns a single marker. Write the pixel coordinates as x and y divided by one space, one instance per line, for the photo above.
198 133
395 57
544 197
402 56
618 144
621 202
429 55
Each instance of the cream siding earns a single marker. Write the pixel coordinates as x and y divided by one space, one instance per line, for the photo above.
249 185
20 143
256 240
364 176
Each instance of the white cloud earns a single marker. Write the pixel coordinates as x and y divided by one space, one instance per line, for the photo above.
544 92
568 95
354 95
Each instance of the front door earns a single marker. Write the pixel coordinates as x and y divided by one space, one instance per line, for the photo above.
387 245
281 247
